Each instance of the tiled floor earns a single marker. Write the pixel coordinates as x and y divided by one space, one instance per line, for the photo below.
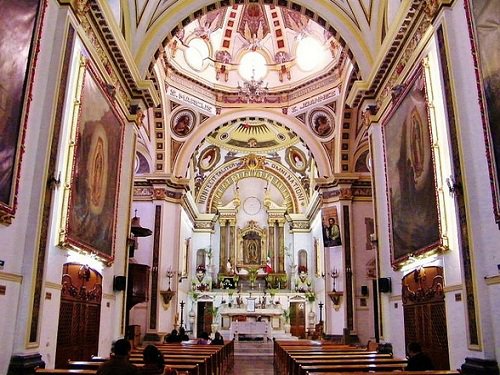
253 358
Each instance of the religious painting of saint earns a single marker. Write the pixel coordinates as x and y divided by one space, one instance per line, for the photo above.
321 123
413 209
209 157
183 123
485 16
20 23
331 228
296 159
93 197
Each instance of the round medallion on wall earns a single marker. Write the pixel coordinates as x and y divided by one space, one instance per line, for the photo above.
209 157
183 122
321 123
252 206
296 159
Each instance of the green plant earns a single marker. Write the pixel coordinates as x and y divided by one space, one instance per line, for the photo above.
286 315
214 312
252 274
194 295
311 296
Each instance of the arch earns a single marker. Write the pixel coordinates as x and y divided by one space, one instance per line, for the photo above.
348 31
181 165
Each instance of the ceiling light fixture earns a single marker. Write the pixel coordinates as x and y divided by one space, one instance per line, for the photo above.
253 90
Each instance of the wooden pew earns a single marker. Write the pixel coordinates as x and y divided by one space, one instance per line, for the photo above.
343 368
67 371
189 367
348 363
428 372
284 350
323 357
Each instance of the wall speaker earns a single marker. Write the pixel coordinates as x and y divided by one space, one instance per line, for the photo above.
364 290
384 284
119 283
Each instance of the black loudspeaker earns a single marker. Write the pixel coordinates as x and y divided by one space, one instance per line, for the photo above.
364 290
119 283
384 284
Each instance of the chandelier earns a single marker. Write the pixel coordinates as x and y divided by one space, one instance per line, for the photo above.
253 90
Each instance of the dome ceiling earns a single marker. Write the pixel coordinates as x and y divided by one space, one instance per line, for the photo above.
227 47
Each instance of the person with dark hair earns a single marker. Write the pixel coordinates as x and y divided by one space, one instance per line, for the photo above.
172 337
118 362
418 360
204 339
218 339
154 363
182 335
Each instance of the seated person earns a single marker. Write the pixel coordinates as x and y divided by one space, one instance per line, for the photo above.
204 339
153 361
218 340
119 360
172 337
418 360
182 335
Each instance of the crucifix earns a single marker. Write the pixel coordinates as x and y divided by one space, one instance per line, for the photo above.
182 312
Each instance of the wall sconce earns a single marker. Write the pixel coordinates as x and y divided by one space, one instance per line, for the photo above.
334 273
336 298
167 295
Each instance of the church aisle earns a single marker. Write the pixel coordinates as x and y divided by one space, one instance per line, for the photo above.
253 357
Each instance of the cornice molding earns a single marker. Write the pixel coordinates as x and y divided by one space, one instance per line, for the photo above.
418 19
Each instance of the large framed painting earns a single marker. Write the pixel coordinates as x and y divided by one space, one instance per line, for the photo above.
483 19
20 25
331 229
411 189
95 165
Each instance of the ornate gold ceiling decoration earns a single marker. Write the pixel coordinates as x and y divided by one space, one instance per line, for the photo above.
256 135
229 174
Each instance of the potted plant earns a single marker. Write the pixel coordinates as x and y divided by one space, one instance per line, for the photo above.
252 275
192 313
214 312
286 317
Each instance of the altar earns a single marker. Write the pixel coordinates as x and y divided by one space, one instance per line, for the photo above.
259 323
251 328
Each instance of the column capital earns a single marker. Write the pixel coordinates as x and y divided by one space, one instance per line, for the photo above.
345 187
168 188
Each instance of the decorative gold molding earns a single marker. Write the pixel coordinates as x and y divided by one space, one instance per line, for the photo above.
11 277
453 288
52 285
492 280
109 296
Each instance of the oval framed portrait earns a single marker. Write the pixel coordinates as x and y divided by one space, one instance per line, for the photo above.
209 158
296 159
183 122
322 123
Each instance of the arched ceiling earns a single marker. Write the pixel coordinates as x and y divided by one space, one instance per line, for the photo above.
253 41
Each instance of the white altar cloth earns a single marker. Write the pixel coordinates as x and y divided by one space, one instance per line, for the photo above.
255 329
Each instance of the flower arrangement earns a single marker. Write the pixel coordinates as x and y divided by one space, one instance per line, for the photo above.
252 274
302 269
227 284
311 296
201 269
